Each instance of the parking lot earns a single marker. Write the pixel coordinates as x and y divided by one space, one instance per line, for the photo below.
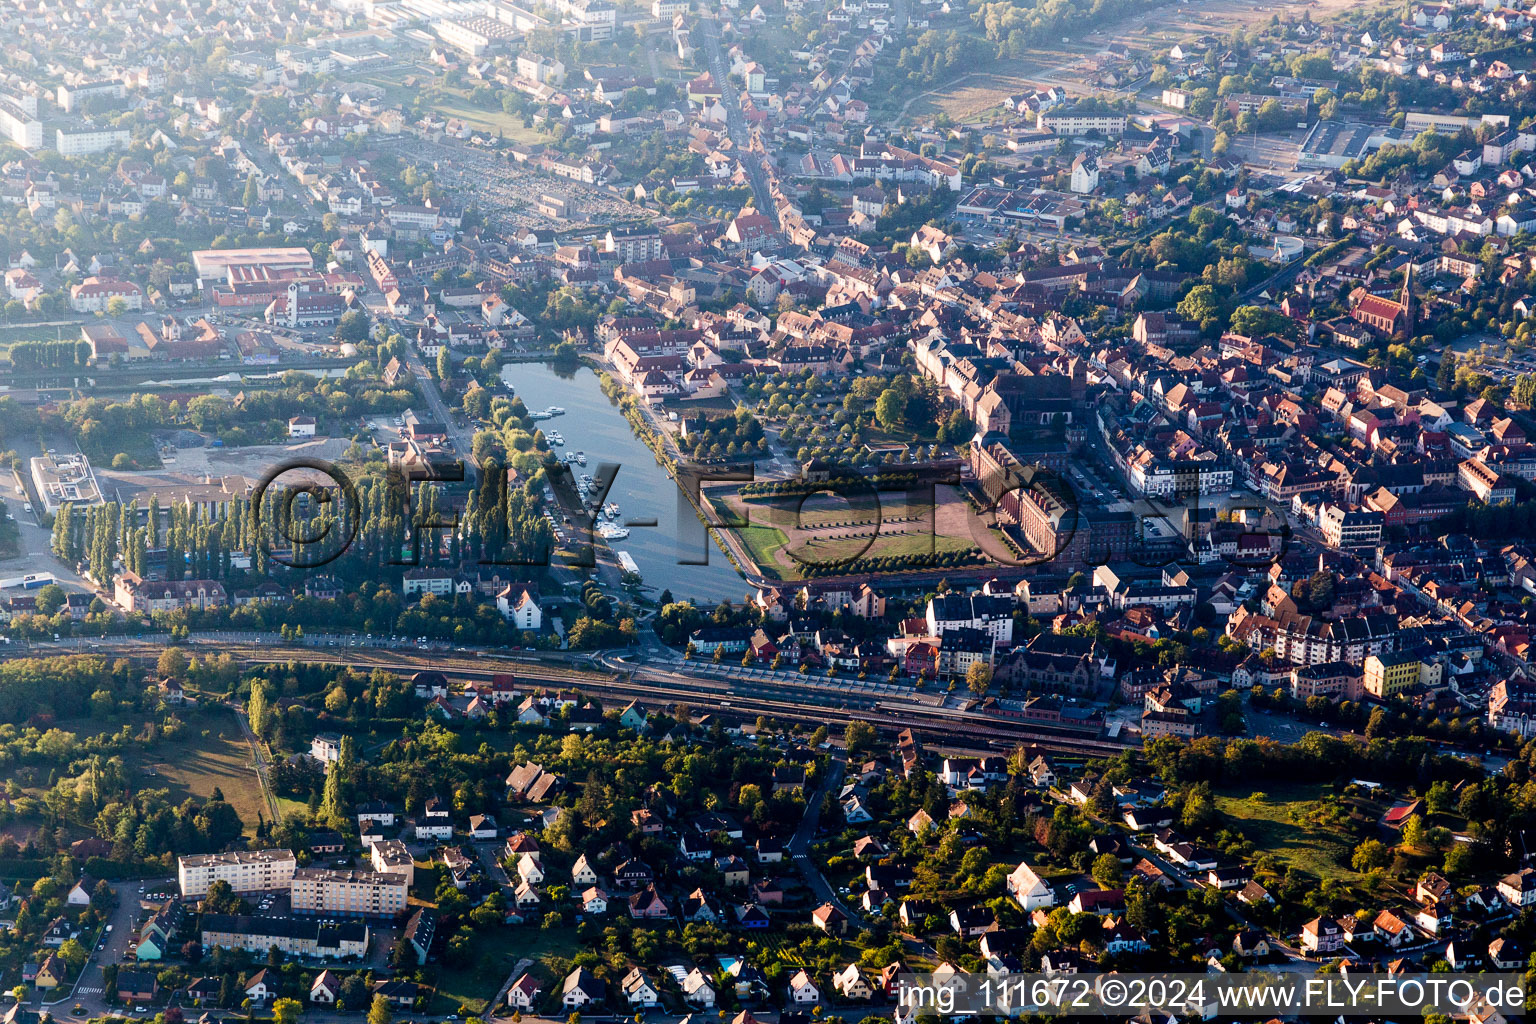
510 192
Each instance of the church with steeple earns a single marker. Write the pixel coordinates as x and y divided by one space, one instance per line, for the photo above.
1391 319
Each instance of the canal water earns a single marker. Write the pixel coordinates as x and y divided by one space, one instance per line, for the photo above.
642 489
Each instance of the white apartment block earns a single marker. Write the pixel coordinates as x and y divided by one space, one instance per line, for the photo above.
348 893
391 857
1071 122
81 141
69 97
244 870
19 125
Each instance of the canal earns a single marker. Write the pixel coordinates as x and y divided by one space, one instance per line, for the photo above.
642 489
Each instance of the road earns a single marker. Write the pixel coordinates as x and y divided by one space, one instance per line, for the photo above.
735 124
1277 282
462 437
89 988
35 541
805 836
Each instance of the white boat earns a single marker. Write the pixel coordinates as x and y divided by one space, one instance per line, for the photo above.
608 531
581 458
555 410
536 416
627 562
612 510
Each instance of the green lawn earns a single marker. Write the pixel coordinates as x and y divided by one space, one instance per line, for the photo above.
455 103
138 445
498 951
288 807
780 549
1277 824
510 126
766 544
221 760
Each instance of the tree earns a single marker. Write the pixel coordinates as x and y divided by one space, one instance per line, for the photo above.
354 991
1445 374
50 599
74 954
172 663
257 710
1318 64
1413 832
1199 808
1525 390
221 898
1202 306
1370 855
1441 798
286 1011
333 796
379 1012
978 678
890 408
1458 859
1107 871
1256 321
444 364
352 327
858 737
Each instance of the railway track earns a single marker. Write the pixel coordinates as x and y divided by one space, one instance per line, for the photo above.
944 725
738 700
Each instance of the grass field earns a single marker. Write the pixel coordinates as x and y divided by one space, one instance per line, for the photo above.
782 537
454 103
972 97
817 549
1276 824
195 767
287 807
498 952
492 120
765 543
192 765
826 510
981 87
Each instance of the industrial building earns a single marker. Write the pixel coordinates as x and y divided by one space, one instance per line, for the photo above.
61 479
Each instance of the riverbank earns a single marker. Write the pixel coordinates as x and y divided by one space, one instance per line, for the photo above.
665 532
669 458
